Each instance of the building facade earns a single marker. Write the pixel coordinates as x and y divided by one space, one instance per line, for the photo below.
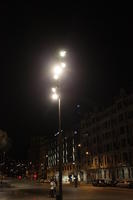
107 141
101 149
70 156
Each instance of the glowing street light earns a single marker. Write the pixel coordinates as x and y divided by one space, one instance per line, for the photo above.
79 145
56 77
55 96
53 90
62 53
57 72
63 65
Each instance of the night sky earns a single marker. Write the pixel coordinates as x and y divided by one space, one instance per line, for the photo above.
99 41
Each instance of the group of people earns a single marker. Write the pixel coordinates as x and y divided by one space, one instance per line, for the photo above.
53 185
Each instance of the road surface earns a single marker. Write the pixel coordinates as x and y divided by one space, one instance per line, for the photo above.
34 191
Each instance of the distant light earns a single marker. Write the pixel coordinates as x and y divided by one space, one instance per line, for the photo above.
46 156
56 134
63 65
53 90
73 163
35 176
55 96
19 177
75 132
56 77
79 145
86 152
78 106
57 70
62 53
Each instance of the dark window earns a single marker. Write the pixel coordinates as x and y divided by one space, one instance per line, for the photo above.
122 130
123 175
113 133
129 174
127 129
93 120
117 173
125 157
119 105
108 147
107 135
104 173
115 158
126 115
130 158
113 122
94 140
130 114
121 117
132 172
123 142
97 138
109 123
114 110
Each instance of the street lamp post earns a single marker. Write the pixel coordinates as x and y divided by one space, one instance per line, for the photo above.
57 95
60 151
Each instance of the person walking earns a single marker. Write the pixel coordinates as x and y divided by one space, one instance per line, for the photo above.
52 188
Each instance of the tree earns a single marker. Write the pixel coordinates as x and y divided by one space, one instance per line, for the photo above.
5 141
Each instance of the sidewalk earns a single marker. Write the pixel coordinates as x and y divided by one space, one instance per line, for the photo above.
4 184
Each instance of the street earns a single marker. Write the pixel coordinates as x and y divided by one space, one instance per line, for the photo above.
35 191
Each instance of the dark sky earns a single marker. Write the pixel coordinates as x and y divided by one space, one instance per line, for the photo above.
99 40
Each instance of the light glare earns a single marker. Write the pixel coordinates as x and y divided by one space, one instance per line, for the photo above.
63 65
57 70
53 90
62 53
55 96
56 77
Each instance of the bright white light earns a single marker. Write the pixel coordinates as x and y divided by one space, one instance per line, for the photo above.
53 90
55 96
56 77
62 53
57 70
63 65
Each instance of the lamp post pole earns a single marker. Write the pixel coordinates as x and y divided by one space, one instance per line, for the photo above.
60 151
57 72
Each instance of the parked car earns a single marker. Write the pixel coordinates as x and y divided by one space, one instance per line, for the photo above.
44 181
99 182
130 184
104 183
111 183
41 180
125 184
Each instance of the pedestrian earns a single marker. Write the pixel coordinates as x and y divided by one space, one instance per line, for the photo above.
52 188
